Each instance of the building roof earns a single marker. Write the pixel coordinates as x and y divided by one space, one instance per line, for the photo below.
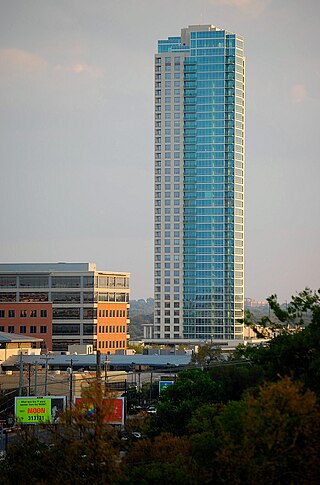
13 337
114 360
45 267
36 268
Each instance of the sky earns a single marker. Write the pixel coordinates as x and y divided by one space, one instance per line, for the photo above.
76 133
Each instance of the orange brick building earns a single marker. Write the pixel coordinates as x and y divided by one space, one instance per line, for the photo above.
82 305
33 319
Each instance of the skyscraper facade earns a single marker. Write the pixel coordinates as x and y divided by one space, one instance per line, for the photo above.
199 186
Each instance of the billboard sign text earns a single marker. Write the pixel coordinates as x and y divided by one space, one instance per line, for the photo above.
33 410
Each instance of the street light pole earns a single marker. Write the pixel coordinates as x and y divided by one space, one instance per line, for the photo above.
71 385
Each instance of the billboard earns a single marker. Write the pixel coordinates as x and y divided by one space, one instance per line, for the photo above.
34 410
164 385
114 412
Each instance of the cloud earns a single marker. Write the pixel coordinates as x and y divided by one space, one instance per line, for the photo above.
254 7
21 60
298 93
24 64
86 68
79 68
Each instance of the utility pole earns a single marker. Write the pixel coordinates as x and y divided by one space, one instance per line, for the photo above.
98 371
46 377
151 387
36 378
20 373
139 385
106 375
47 358
29 379
70 372
71 384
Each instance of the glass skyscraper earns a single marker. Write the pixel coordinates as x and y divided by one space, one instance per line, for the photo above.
199 186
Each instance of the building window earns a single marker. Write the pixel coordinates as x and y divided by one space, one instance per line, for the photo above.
89 329
68 329
23 313
43 329
34 281
1 328
33 329
33 296
1 313
65 297
7 281
5 297
89 313
66 313
33 313
23 329
10 329
11 313
43 313
66 282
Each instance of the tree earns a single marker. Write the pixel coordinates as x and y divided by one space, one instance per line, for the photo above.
303 308
192 388
166 459
272 436
75 451
207 354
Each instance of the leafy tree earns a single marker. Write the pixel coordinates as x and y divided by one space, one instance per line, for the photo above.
80 449
293 318
164 460
178 402
295 354
270 437
207 354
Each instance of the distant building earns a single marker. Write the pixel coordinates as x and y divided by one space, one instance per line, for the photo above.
251 303
66 304
12 344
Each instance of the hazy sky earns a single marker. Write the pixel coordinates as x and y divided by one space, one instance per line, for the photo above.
76 124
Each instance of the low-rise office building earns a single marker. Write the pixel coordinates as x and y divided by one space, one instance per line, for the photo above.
13 345
68 303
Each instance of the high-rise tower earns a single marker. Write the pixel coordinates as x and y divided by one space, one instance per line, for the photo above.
199 186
